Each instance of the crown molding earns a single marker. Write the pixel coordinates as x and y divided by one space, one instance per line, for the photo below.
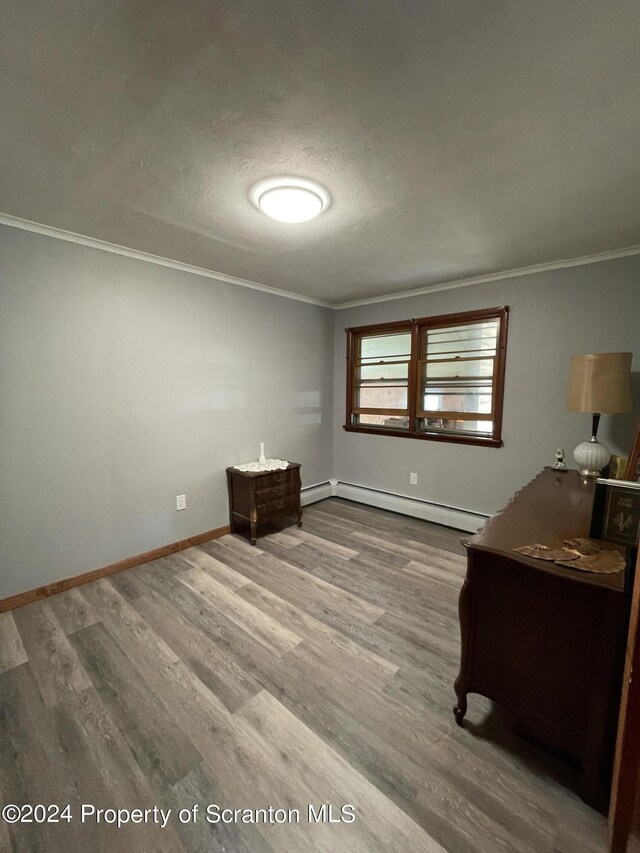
496 276
114 248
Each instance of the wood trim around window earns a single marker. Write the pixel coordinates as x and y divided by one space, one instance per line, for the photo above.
416 327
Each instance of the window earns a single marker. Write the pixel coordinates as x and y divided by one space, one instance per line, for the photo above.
439 378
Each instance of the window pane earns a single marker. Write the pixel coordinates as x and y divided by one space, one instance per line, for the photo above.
479 428
463 369
457 400
457 375
471 339
387 421
380 396
381 379
385 346
382 372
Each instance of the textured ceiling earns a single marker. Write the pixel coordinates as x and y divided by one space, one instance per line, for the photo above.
456 138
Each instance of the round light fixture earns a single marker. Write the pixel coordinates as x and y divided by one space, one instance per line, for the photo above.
290 199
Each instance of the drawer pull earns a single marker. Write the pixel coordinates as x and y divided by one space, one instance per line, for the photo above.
280 504
279 491
278 478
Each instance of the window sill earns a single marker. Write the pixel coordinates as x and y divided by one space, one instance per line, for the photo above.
427 436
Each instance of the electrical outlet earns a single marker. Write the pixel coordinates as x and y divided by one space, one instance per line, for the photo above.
413 479
181 501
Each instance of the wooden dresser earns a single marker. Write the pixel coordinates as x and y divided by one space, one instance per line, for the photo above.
544 641
255 497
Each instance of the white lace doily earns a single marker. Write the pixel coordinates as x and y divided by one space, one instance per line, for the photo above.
267 465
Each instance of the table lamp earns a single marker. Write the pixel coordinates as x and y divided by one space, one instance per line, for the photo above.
599 383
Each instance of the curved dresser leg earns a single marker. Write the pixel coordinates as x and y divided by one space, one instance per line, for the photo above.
461 686
460 709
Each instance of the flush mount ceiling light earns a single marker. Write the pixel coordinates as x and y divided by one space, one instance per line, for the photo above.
290 199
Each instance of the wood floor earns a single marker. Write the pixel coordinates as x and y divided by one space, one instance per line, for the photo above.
315 668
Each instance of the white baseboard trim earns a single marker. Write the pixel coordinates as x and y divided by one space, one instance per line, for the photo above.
313 494
460 519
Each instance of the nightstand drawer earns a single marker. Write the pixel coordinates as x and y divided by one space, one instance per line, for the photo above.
278 505
275 479
276 491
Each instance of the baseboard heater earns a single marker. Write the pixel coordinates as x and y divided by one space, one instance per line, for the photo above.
460 519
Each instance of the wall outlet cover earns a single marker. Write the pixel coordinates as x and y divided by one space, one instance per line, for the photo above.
181 501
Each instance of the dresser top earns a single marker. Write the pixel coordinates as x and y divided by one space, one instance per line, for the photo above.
252 474
555 506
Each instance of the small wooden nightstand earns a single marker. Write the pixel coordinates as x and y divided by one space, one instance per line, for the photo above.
255 497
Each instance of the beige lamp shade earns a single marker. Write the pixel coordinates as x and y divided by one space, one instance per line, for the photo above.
600 382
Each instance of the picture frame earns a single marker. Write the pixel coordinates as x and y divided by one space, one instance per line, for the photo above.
633 465
618 467
616 512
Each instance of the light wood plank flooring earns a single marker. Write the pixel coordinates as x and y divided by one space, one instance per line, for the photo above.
314 668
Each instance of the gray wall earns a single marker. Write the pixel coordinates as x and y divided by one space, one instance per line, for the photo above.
123 384
592 308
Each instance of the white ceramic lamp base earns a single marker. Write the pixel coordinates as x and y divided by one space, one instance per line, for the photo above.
591 457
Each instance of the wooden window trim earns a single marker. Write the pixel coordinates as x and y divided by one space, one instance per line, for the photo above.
417 328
